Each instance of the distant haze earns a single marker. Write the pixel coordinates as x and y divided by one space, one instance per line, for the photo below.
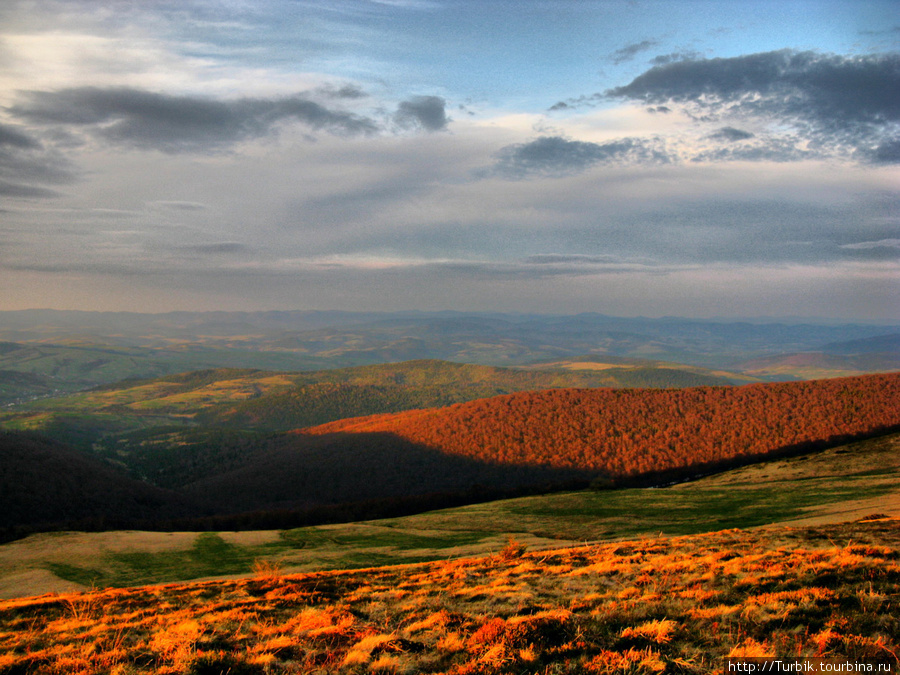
684 158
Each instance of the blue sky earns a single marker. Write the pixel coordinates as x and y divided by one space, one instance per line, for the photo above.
640 157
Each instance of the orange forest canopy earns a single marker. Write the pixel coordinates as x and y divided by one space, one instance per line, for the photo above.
630 432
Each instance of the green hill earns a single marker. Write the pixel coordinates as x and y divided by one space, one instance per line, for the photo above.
178 428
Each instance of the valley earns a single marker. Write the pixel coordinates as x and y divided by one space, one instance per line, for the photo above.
164 454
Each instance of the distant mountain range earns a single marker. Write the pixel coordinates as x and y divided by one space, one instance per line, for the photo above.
66 351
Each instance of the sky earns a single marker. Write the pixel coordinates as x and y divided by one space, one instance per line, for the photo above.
695 158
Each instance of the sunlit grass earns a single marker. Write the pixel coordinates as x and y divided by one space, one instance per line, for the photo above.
650 605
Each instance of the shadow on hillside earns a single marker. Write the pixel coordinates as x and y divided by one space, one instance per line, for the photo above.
299 472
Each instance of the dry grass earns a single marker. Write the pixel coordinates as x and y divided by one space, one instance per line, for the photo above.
655 605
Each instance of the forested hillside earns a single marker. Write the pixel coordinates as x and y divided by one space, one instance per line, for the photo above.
630 432
420 459
514 441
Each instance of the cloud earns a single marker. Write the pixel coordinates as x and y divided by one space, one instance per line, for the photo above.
179 123
9 189
840 105
221 248
888 152
731 134
422 112
883 249
628 52
579 102
557 156
569 258
11 136
756 149
348 92
663 59
24 161
881 243
177 205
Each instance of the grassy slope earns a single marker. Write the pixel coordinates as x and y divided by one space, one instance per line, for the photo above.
834 485
658 604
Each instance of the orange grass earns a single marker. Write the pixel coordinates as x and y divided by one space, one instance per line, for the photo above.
661 605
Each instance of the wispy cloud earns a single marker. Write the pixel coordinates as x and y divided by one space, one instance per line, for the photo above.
628 52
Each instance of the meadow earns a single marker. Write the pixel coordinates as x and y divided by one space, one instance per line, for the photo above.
648 605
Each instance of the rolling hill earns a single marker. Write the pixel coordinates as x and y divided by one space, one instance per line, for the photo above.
170 430
529 441
669 590
841 484
310 340
555 436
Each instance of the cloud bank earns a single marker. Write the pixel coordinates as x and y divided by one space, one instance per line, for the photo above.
837 105
308 154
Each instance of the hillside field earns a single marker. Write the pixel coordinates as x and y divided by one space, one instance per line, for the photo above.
650 605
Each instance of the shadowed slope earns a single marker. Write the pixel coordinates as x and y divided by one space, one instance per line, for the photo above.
296 472
42 482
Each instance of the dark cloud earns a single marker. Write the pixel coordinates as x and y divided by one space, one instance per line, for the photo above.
12 136
179 123
422 112
580 102
731 134
628 52
557 156
24 161
888 152
839 104
754 149
348 91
